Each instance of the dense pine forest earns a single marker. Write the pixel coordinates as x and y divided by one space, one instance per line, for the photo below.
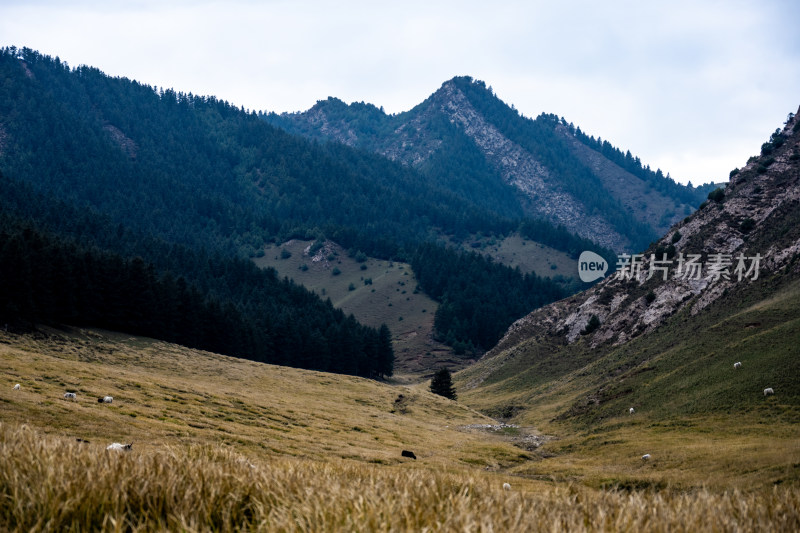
480 299
199 171
178 191
207 301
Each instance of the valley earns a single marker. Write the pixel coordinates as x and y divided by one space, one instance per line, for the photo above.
266 296
237 442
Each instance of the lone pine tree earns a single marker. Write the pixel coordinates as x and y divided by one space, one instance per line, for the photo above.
442 384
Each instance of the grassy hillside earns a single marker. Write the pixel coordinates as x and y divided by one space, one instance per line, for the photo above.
702 421
376 292
530 256
386 292
226 444
62 486
165 394
666 347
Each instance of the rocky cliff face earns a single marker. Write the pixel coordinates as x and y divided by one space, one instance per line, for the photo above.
338 130
521 169
414 137
750 231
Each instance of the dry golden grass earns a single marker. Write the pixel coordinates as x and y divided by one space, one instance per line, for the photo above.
49 484
226 444
167 395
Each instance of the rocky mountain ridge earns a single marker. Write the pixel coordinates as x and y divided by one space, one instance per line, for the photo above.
464 111
521 169
747 231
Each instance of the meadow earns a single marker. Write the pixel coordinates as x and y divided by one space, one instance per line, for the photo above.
52 485
227 444
529 256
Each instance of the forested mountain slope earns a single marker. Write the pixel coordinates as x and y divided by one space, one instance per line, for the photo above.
468 140
199 171
63 265
132 170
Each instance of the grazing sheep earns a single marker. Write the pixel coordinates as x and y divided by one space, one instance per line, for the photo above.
646 457
406 453
119 447
105 399
768 391
70 396
631 411
506 486
737 365
16 387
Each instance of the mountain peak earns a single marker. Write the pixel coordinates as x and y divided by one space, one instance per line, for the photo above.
466 138
329 103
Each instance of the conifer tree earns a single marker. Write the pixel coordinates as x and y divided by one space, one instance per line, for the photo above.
442 384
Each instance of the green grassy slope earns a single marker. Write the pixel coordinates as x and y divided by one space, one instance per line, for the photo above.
391 299
703 419
666 347
530 256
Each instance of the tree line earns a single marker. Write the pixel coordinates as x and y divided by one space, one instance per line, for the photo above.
63 265
45 279
479 298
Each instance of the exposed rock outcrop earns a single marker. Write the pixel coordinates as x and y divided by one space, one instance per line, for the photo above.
749 233
415 137
125 143
521 169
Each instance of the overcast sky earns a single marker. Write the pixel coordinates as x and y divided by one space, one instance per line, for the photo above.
691 87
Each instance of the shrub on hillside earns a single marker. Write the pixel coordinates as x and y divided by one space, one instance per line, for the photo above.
717 195
592 325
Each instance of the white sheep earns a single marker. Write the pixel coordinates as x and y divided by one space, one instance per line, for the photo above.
16 387
105 399
646 457
737 365
506 486
768 391
116 446
631 411
70 396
